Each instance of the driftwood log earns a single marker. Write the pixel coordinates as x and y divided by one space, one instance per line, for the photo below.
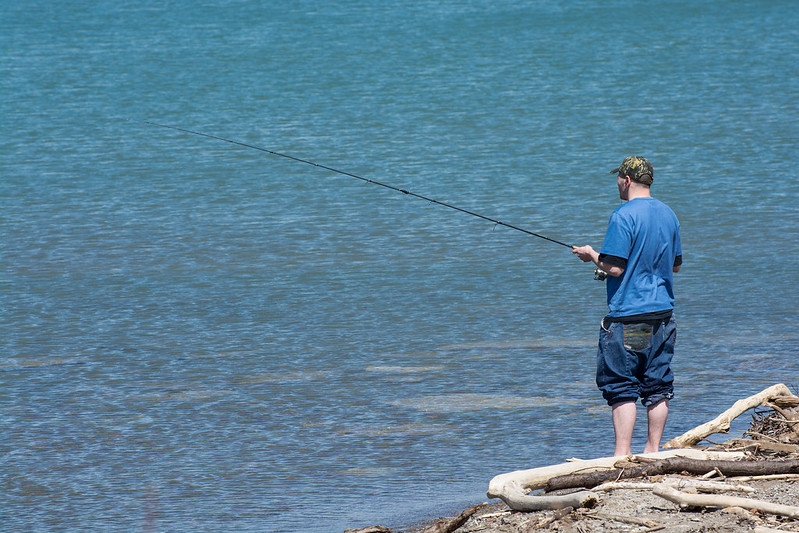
786 402
721 424
448 526
523 502
513 487
689 484
674 465
761 445
702 485
654 526
707 500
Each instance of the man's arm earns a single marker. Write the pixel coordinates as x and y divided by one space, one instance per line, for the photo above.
587 253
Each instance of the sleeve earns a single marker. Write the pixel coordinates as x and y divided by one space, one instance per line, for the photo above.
677 244
613 260
618 238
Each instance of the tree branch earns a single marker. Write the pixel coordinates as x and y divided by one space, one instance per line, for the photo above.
721 424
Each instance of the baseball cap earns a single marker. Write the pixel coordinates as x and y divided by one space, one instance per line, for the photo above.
638 168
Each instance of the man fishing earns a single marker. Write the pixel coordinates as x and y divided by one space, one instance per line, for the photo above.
640 253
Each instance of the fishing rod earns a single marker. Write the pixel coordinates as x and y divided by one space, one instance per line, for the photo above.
598 274
367 180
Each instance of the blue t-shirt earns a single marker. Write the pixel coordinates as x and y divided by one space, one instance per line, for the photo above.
646 233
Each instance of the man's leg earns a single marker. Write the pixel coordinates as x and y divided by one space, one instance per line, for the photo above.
658 382
623 424
656 415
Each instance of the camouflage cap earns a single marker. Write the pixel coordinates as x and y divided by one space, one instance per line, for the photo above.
638 168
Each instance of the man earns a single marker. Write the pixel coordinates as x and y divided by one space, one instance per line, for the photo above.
640 253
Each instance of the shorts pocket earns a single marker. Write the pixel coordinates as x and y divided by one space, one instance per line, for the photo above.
637 337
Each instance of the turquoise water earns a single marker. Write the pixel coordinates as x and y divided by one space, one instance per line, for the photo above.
198 336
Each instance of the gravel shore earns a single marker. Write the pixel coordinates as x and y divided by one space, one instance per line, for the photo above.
759 503
639 510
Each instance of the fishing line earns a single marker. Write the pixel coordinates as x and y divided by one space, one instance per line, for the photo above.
367 180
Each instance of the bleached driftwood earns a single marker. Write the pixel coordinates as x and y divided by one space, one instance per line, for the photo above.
771 477
698 485
623 485
714 500
721 424
513 487
519 501
692 485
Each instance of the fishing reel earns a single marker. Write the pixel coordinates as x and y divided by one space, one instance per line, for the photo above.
600 275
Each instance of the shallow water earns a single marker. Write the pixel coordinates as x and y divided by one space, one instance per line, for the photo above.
198 336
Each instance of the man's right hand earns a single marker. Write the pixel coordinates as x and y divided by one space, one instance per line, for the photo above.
585 253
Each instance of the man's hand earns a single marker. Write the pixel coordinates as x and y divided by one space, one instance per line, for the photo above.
586 254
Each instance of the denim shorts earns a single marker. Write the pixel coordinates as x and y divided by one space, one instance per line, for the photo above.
634 361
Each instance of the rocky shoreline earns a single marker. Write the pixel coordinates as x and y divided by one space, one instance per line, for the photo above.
642 499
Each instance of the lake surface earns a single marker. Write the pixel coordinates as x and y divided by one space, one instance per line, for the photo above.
198 336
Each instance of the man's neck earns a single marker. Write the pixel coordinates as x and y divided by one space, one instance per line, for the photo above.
638 191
